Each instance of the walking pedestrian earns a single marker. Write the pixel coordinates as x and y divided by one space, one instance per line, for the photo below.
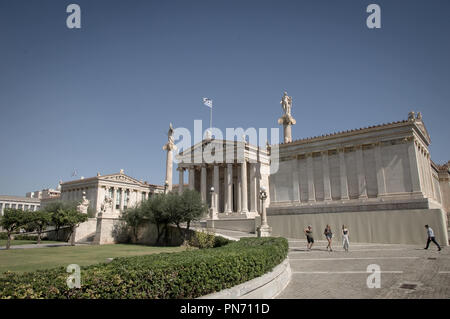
431 237
309 237
328 235
345 241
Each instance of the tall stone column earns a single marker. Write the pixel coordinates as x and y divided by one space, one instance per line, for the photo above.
362 186
192 178
310 170
244 199
169 147
229 189
180 180
121 199
253 188
239 189
326 176
381 179
215 205
343 175
114 199
203 183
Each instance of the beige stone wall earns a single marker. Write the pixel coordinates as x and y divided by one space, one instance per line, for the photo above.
393 226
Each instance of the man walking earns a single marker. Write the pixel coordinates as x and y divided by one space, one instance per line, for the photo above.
431 238
309 237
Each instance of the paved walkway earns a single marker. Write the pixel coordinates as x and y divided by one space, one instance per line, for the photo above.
407 271
28 246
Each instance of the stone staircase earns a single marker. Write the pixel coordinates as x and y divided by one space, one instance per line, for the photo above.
88 240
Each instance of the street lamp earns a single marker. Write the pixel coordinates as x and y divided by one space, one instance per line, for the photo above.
211 193
264 230
166 185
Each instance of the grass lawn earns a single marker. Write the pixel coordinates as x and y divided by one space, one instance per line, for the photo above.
23 260
25 242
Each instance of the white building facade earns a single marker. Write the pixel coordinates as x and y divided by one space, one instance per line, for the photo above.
124 191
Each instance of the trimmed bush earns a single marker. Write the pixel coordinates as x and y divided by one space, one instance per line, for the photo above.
188 274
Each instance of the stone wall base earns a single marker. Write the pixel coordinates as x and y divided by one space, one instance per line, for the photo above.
387 227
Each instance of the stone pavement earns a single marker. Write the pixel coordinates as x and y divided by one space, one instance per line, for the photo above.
407 271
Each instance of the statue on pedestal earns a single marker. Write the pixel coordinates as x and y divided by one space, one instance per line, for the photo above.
286 120
84 205
106 205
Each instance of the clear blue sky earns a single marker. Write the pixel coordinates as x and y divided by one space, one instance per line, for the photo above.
101 98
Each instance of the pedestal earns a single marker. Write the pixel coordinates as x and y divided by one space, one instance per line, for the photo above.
264 231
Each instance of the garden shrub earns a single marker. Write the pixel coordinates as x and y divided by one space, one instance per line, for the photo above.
189 274
203 239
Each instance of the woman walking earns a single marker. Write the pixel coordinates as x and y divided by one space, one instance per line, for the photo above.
328 235
345 237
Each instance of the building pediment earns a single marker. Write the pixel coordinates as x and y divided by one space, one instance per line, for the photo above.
121 178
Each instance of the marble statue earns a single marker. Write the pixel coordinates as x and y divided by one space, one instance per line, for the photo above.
286 103
84 205
287 120
106 205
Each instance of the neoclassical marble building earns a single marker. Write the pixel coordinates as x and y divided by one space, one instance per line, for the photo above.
379 181
124 191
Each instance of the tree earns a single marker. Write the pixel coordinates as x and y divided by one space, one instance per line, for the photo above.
12 220
65 214
57 217
134 217
192 208
155 209
73 218
39 220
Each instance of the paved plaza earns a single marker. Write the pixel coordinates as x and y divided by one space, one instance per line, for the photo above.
407 271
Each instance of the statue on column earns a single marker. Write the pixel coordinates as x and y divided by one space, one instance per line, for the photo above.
286 120
169 146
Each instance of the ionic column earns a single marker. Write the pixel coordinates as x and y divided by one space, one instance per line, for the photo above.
191 177
362 186
121 198
244 200
114 198
310 170
215 203
229 188
326 176
203 183
239 189
381 178
343 175
253 190
180 180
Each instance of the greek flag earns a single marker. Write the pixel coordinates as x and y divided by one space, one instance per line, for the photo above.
207 102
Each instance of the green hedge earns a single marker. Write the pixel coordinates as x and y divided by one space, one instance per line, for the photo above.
188 274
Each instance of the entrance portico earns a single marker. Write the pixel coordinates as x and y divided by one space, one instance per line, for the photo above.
236 179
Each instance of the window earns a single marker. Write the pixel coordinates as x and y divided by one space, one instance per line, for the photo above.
6 206
13 206
143 196
25 207
118 196
110 192
20 206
